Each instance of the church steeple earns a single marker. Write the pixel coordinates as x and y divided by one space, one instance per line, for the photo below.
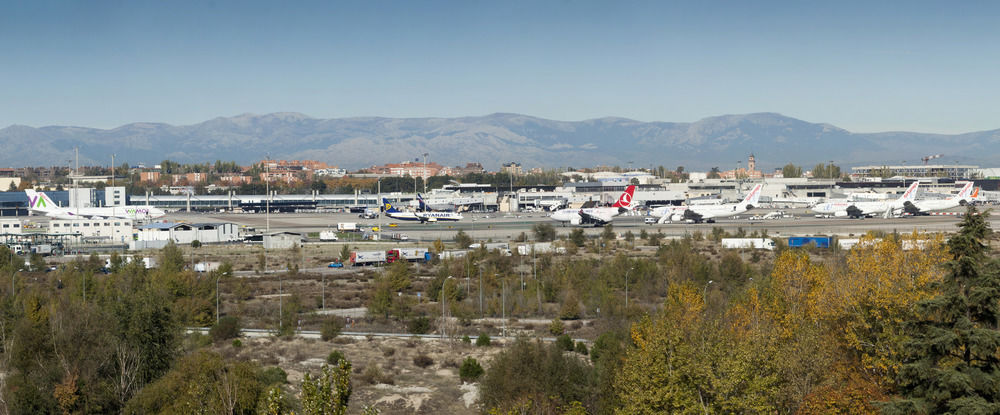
751 163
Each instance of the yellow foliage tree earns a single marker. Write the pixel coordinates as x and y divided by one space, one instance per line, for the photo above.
868 302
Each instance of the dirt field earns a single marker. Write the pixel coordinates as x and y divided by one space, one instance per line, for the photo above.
401 388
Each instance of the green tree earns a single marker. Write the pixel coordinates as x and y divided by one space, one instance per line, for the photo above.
329 393
533 377
463 240
577 237
544 232
345 253
951 361
791 170
714 173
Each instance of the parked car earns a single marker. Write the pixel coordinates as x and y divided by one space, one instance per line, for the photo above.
336 264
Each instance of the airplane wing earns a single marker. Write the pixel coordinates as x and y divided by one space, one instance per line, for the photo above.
596 219
690 214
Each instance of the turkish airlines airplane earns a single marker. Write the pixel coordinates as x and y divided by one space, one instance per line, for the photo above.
707 213
598 216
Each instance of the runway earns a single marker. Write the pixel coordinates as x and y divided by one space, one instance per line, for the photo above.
504 227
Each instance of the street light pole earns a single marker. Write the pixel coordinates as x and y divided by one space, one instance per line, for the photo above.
443 285
626 288
704 292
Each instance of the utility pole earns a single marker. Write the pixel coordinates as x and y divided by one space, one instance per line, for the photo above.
112 170
426 175
481 315
267 189
503 307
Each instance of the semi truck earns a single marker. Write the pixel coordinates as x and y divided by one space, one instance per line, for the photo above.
367 257
748 243
408 254
539 248
347 227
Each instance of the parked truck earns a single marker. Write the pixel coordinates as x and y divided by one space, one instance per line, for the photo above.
367 257
328 236
408 254
347 227
454 254
537 248
801 241
748 243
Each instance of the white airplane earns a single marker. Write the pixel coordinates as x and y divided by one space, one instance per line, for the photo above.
41 203
849 209
449 204
707 213
422 217
963 197
598 216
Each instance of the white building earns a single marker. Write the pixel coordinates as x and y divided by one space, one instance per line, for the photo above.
10 226
95 230
158 235
282 240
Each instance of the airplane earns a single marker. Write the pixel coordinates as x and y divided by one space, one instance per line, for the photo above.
844 208
41 203
597 216
448 204
707 213
422 217
921 207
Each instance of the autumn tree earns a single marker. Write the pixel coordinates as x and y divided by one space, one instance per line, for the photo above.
951 360
328 393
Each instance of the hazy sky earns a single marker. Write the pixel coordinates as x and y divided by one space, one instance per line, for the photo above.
864 66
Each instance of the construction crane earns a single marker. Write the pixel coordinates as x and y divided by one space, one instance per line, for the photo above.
929 158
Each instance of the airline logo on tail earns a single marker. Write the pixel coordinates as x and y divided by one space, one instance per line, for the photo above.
966 191
388 206
625 200
911 192
753 196
39 200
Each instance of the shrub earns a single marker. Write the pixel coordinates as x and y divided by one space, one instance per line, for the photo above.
466 339
556 327
227 328
331 328
373 374
335 357
483 340
196 244
565 343
272 375
470 370
388 351
581 348
237 343
419 325
423 361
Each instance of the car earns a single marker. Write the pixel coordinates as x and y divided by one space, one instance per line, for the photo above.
650 220
336 264
393 225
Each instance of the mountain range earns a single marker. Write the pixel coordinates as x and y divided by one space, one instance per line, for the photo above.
491 140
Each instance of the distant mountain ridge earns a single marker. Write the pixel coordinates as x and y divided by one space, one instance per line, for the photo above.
492 139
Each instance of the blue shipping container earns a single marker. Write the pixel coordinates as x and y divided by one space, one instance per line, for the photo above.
800 241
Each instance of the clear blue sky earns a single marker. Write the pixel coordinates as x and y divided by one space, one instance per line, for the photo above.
864 66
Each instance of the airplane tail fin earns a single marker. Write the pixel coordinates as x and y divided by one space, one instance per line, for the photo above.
39 201
966 192
975 194
420 203
911 192
753 197
625 200
388 206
